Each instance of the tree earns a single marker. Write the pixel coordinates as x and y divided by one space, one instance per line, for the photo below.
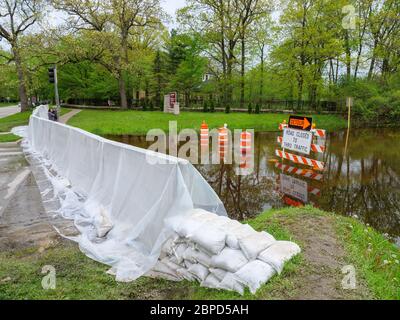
16 17
118 20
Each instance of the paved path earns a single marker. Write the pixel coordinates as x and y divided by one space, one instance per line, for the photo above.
8 111
69 115
25 219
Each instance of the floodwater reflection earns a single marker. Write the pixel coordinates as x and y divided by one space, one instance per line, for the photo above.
364 182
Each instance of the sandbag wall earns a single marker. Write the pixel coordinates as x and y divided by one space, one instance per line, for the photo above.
137 190
221 253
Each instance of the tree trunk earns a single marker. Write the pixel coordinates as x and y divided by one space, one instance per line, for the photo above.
348 56
372 65
122 91
242 72
23 97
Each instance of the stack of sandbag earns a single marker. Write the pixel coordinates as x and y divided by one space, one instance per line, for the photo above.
221 253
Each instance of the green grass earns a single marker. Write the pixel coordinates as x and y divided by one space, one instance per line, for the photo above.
367 250
140 122
8 104
15 120
79 277
8 137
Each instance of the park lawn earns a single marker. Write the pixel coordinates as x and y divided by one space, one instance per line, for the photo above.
79 277
16 120
9 137
8 104
103 122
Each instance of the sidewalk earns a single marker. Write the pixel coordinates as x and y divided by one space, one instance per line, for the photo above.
64 119
24 220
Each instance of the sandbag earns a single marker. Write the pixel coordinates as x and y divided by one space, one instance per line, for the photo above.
278 253
184 273
229 282
171 264
254 274
211 238
219 273
235 231
102 222
253 244
192 222
229 259
163 270
179 250
194 256
199 271
210 282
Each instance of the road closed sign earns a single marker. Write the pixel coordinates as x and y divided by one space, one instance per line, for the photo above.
297 140
294 187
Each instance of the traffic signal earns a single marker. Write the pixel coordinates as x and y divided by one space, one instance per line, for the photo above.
51 75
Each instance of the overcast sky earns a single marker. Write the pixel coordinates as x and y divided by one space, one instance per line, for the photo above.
170 6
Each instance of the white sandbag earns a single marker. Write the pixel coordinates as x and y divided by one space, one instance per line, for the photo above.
199 271
211 238
179 250
170 264
202 257
219 273
189 254
253 244
192 222
102 222
170 243
187 263
236 231
184 273
163 269
229 282
210 282
254 274
160 275
278 253
197 256
229 259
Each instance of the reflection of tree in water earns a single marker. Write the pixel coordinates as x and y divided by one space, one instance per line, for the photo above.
365 182
243 196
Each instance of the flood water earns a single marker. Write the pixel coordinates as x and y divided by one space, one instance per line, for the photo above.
362 182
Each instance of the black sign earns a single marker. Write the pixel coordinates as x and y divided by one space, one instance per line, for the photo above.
300 122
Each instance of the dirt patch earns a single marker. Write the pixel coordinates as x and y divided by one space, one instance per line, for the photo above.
324 258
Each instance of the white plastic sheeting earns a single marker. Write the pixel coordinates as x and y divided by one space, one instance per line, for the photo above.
118 191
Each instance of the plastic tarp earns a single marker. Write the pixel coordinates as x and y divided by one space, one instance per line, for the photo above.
136 190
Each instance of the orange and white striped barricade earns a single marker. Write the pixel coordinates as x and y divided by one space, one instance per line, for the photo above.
204 143
223 142
307 173
245 150
300 159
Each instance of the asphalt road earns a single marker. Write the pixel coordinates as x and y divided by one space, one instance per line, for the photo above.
8 111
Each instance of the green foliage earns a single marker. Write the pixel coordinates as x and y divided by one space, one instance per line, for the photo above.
205 106
250 108
212 106
257 111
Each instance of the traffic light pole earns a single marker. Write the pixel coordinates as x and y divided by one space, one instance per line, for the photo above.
56 91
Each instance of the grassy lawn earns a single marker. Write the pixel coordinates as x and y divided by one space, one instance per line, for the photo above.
15 120
8 137
8 104
103 122
79 277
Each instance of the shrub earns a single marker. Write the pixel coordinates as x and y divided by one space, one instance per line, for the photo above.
250 108
258 109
